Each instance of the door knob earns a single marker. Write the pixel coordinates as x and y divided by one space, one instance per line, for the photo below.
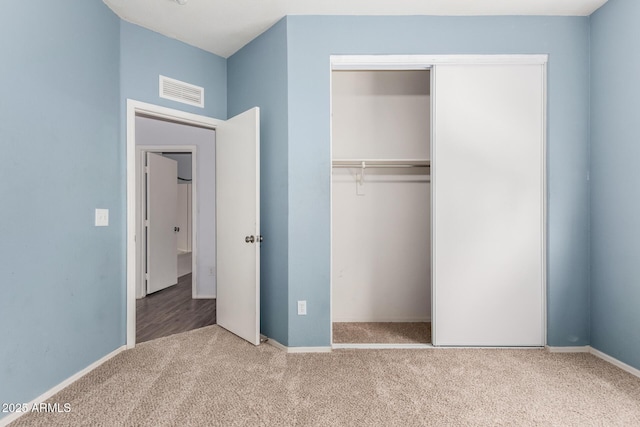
260 238
249 239
176 229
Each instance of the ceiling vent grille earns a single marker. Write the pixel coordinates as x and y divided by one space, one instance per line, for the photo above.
186 93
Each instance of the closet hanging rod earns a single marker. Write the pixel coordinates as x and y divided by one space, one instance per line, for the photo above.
371 163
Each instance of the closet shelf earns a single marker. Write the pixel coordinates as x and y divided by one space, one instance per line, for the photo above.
380 163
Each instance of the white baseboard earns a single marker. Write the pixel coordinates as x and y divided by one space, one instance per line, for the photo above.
308 349
47 394
576 349
630 369
597 353
286 349
275 344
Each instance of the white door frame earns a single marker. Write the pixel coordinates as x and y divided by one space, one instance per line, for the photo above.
427 62
141 151
153 111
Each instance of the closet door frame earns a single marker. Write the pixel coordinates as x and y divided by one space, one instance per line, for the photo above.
430 62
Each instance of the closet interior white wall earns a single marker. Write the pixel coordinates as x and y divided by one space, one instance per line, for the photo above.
381 213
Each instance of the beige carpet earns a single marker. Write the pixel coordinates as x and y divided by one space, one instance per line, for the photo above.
209 377
382 333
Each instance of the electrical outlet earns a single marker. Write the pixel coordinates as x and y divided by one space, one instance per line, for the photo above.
302 308
212 271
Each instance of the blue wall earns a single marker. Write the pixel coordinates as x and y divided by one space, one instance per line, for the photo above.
615 181
62 293
145 55
311 39
257 76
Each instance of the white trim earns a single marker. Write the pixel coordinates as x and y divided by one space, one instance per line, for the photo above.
413 62
597 353
577 349
286 349
275 344
331 202
141 223
432 191
615 362
55 389
545 195
381 346
133 108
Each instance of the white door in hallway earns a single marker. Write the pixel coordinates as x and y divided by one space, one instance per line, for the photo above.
238 225
488 205
162 218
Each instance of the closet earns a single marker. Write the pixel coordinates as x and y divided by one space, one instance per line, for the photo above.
381 268
438 192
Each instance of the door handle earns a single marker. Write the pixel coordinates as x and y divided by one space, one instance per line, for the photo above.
260 238
249 239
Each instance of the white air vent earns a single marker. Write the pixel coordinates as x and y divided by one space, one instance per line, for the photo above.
186 93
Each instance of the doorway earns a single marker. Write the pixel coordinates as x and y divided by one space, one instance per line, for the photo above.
173 293
234 221
381 207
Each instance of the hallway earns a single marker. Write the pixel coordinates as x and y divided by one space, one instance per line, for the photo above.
171 311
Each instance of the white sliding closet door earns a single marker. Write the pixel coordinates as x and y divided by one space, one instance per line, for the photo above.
488 211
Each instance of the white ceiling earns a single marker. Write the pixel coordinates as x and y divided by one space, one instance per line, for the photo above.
224 26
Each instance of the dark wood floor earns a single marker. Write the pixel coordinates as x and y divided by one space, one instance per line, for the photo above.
171 311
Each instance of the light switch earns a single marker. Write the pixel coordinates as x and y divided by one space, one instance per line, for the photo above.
102 217
302 308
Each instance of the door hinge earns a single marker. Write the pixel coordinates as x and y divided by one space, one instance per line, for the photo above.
146 169
146 222
146 276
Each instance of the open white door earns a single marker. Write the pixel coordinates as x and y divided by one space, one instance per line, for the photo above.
238 225
162 217
488 205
